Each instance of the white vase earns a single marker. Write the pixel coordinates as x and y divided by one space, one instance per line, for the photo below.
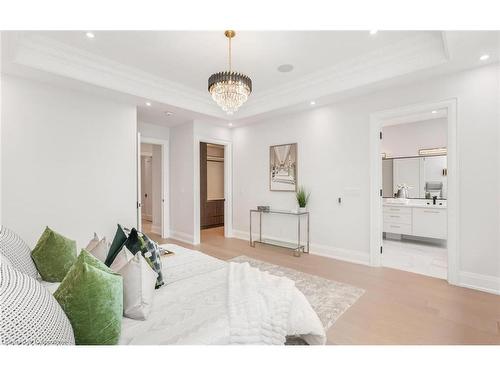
302 209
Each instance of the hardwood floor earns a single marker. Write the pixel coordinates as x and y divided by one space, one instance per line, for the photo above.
398 307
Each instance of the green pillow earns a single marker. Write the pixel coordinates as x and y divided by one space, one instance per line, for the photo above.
53 255
117 244
91 295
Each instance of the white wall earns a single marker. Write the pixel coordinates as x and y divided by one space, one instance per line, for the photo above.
148 130
68 161
408 139
181 182
333 161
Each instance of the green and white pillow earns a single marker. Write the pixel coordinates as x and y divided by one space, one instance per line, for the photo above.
138 241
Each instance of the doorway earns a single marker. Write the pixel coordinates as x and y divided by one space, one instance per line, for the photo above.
212 194
414 198
414 194
152 187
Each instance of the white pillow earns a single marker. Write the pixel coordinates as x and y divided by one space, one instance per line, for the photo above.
92 243
139 281
30 314
123 257
101 250
17 252
5 260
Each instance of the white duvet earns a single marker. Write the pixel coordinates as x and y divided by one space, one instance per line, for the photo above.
209 301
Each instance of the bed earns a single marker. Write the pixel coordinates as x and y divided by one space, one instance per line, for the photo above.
209 301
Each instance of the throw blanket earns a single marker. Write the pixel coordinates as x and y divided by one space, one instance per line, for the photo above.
264 309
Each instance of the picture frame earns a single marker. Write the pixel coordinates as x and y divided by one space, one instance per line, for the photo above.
283 167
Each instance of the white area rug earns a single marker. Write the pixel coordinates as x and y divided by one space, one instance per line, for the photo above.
330 299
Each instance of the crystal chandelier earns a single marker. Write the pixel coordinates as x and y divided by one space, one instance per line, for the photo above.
229 89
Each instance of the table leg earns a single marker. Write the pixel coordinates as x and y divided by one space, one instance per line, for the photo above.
307 232
251 242
260 227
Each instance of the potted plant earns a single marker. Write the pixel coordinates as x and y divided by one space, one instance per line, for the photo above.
302 198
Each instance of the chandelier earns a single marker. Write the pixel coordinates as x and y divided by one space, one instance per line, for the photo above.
229 89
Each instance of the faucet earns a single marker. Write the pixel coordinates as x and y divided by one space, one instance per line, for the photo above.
434 198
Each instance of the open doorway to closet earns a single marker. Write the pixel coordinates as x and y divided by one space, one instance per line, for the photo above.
212 192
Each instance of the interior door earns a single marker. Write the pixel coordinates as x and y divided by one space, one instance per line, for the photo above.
147 187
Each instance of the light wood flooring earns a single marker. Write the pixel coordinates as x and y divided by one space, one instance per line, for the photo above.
398 307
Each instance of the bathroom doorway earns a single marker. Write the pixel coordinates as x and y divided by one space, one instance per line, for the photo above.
414 216
414 192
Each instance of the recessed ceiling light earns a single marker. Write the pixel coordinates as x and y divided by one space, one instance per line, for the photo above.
285 68
373 32
434 112
484 57
90 35
148 104
230 124
312 102
168 113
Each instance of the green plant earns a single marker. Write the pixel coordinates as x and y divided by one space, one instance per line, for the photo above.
302 197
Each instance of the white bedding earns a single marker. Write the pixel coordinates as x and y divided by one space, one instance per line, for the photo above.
194 306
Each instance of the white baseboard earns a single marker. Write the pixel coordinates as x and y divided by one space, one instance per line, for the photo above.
353 256
484 283
181 236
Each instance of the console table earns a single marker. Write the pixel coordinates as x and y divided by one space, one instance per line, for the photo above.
297 247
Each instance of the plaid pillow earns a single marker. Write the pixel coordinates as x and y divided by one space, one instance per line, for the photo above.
138 241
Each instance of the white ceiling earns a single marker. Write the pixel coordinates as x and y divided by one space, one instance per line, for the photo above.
171 68
190 57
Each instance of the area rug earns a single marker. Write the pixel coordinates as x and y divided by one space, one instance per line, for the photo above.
330 299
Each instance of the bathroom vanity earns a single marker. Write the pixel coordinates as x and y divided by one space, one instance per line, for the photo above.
415 217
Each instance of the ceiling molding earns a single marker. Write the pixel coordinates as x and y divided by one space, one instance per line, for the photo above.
406 56
46 54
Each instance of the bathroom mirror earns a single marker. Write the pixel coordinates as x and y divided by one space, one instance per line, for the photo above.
425 175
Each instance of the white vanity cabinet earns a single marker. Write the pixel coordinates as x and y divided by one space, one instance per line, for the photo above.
429 222
397 220
416 220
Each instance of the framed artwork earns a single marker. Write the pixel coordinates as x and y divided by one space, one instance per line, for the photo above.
283 167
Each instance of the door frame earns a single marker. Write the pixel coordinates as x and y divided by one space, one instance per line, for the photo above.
377 120
165 182
228 186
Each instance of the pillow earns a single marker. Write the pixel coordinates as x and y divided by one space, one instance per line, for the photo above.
53 255
123 257
100 250
30 315
117 244
139 281
93 242
91 295
137 241
4 260
15 250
